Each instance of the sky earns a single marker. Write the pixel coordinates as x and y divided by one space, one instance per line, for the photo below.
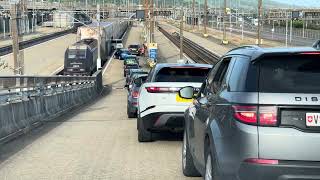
303 3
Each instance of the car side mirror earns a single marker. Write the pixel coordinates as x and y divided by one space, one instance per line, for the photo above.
187 92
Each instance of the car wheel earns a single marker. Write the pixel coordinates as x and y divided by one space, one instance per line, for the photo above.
188 167
143 135
211 170
130 114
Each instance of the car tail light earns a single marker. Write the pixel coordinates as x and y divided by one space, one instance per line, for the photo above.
135 94
256 115
262 161
246 114
153 89
268 115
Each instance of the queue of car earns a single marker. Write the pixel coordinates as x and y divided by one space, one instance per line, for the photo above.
253 115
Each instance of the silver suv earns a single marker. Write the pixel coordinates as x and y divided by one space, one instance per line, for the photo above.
256 117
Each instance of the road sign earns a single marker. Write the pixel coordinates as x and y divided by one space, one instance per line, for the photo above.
153 53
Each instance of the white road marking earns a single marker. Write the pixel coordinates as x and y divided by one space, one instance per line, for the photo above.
106 67
57 70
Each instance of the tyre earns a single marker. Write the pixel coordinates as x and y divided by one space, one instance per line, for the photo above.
130 114
143 135
211 170
188 167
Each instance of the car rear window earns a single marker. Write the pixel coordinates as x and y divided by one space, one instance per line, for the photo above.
182 74
134 46
133 66
130 61
290 74
139 81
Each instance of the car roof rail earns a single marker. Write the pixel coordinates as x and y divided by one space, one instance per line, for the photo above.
246 47
316 45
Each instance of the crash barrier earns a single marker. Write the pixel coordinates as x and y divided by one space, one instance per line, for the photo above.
27 101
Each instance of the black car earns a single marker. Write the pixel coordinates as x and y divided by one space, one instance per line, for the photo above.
135 49
256 117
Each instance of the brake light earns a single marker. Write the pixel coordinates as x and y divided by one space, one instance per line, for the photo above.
153 89
262 161
246 114
264 115
268 115
135 94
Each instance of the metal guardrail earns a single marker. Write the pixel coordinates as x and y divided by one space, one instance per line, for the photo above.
196 52
28 43
18 88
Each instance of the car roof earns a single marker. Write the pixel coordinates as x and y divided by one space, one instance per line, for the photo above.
256 52
136 76
131 56
163 65
136 70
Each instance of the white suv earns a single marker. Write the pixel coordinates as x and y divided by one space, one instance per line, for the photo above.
159 105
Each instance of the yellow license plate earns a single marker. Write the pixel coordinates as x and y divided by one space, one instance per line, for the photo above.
182 100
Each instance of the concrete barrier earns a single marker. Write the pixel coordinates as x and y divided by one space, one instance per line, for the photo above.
19 116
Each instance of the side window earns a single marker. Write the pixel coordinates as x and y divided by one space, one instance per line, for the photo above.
213 71
243 77
221 75
201 92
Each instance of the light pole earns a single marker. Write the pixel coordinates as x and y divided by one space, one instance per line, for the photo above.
193 14
259 22
181 33
205 18
224 39
199 16
99 38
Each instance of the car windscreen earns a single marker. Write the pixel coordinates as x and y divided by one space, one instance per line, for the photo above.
182 74
290 74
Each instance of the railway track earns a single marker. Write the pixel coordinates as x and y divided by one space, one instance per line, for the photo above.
196 52
28 43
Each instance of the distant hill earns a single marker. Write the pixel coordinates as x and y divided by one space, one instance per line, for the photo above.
251 4
300 3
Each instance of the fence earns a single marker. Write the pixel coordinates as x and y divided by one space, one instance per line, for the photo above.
28 101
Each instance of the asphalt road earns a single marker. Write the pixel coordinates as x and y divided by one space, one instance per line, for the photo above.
97 141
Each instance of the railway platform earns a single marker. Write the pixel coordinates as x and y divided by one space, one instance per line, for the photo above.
40 31
43 59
